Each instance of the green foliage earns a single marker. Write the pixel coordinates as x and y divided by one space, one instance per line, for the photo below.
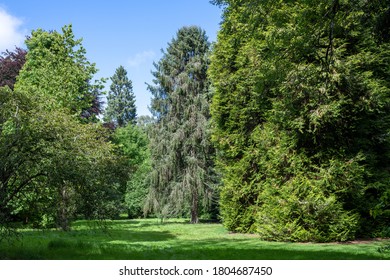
301 118
133 145
137 190
121 100
58 72
49 159
182 165
54 164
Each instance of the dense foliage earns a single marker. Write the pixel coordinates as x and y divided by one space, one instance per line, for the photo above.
133 145
301 118
54 164
10 65
121 108
291 106
182 167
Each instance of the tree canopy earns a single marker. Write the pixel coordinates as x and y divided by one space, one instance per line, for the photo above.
53 163
301 118
121 108
58 72
10 65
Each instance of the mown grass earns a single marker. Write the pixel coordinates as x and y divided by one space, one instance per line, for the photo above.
173 240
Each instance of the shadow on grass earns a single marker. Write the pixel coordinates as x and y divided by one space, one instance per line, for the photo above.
228 249
102 236
210 249
125 224
149 240
137 223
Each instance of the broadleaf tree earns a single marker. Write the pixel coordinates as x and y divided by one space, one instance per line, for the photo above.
49 137
10 65
132 144
58 71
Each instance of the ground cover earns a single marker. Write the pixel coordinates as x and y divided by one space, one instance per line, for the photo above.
174 240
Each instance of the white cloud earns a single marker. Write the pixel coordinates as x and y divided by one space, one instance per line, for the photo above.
10 33
141 58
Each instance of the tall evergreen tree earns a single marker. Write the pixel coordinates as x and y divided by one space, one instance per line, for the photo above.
121 100
301 118
182 164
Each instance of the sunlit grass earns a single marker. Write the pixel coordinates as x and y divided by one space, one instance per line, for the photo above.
174 239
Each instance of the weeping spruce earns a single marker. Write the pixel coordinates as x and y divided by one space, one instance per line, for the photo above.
182 176
301 118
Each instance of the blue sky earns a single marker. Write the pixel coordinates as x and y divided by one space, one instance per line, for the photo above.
129 33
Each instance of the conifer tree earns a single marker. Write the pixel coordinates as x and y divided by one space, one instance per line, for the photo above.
301 118
121 107
182 164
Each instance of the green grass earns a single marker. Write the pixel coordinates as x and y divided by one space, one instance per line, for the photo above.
173 240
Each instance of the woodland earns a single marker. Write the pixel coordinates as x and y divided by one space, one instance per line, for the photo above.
279 129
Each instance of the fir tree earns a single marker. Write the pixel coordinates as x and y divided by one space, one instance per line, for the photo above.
121 107
181 152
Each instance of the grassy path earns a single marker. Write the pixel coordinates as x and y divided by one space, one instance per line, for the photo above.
149 239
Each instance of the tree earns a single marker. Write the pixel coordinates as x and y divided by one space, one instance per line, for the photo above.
58 71
133 146
121 100
301 118
90 114
47 158
181 151
54 162
10 65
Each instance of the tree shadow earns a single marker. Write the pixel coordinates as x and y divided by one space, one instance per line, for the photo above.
137 223
138 240
228 249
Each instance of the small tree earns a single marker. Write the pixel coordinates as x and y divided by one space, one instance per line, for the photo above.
10 65
121 100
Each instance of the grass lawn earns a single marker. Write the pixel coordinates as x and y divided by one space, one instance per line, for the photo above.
174 240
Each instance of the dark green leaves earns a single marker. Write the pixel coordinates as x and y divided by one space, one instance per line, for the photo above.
301 118
121 108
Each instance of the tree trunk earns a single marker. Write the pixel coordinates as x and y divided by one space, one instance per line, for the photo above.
63 211
194 208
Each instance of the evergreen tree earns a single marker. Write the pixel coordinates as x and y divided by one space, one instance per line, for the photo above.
121 100
301 118
182 175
